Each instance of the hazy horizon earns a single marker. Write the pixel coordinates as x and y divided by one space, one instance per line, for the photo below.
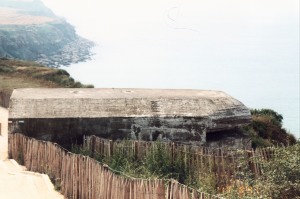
249 49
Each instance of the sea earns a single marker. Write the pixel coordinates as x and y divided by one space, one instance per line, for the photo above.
249 49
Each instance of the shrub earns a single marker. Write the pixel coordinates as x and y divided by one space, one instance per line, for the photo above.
62 72
281 177
121 162
77 149
266 129
89 86
77 85
6 69
275 117
158 161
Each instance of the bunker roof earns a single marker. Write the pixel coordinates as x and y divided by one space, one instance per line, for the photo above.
119 102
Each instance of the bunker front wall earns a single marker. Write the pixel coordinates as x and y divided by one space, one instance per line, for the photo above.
67 131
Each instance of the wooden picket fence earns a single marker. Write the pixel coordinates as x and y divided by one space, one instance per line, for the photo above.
202 162
81 177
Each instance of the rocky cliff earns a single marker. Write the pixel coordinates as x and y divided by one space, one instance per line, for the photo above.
30 31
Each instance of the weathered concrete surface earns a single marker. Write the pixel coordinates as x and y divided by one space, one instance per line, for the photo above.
148 114
233 139
95 103
65 131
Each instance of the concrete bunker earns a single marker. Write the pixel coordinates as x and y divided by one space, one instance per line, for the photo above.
64 115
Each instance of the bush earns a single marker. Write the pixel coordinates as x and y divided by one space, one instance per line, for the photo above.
77 85
281 177
158 161
62 72
6 69
266 129
80 150
275 117
121 162
89 86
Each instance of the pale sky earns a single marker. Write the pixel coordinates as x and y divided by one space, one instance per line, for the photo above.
134 16
247 48
194 30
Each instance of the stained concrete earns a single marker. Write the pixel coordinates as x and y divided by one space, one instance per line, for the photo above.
95 103
64 115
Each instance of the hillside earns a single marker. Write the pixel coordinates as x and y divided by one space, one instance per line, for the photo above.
24 74
13 17
30 31
266 129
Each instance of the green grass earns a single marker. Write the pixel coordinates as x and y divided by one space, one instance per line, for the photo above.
24 74
32 73
157 163
281 177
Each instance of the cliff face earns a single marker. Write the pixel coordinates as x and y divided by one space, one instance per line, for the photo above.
50 44
30 31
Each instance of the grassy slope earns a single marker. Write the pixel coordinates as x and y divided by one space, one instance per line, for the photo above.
23 74
11 16
266 129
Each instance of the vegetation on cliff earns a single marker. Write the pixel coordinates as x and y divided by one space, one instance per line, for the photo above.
276 175
281 177
266 129
24 74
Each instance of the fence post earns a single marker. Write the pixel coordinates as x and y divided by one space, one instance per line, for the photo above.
173 155
93 143
110 148
252 163
136 148
256 171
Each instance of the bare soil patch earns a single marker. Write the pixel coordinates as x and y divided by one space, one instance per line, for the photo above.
10 16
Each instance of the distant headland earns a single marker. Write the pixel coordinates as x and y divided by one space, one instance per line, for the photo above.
31 31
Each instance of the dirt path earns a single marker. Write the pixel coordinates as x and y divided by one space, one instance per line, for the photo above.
15 181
